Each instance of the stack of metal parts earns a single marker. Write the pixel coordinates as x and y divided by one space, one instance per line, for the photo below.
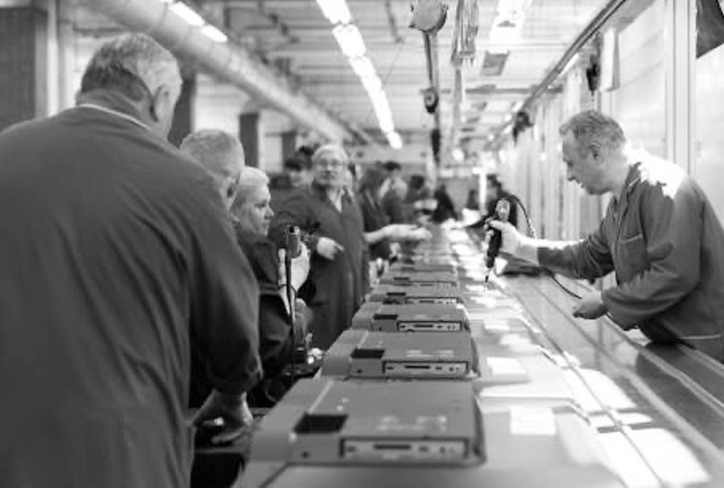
427 389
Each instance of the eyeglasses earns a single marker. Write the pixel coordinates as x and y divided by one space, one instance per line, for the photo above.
334 163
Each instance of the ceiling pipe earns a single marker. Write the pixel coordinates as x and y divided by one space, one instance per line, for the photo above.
593 27
230 62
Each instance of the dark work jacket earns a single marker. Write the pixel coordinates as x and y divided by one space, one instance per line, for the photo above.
663 239
374 219
275 337
393 208
340 284
116 260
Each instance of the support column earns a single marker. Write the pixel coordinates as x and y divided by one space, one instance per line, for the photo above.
251 137
680 39
289 143
23 63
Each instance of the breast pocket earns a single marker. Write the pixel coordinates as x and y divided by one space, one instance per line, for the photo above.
631 258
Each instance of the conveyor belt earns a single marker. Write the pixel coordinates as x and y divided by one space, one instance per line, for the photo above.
602 408
658 380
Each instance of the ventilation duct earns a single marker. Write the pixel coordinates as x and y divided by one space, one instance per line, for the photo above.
230 62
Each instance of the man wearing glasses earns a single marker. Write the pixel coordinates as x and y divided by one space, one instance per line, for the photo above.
332 222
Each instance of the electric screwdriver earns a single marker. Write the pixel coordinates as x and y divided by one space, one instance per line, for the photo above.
292 242
502 211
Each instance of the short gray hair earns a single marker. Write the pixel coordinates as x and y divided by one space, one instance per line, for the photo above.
251 179
334 150
215 150
591 128
120 63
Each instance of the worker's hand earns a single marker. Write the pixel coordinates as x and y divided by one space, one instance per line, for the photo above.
395 249
300 268
231 409
512 239
302 316
327 248
406 232
590 306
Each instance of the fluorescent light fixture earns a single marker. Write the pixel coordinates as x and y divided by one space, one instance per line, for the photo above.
394 139
512 10
214 34
349 40
504 35
353 46
372 84
363 67
336 11
187 14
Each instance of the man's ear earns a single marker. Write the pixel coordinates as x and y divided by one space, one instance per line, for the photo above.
596 153
157 99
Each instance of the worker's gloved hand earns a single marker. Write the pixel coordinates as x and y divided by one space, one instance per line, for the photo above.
300 268
327 248
512 239
231 409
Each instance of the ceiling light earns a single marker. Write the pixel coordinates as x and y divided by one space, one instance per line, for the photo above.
336 11
394 139
214 34
349 40
187 14
372 83
363 67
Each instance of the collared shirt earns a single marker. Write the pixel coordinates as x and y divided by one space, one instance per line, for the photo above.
666 246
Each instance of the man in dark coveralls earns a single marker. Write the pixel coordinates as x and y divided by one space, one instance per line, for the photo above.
660 236
116 259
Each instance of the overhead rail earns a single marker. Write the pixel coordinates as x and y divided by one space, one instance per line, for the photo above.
588 32
229 61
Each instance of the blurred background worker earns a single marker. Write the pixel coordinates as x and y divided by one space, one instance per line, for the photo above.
382 236
393 191
117 260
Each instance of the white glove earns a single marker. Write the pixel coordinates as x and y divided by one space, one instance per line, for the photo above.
512 239
327 248
300 267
